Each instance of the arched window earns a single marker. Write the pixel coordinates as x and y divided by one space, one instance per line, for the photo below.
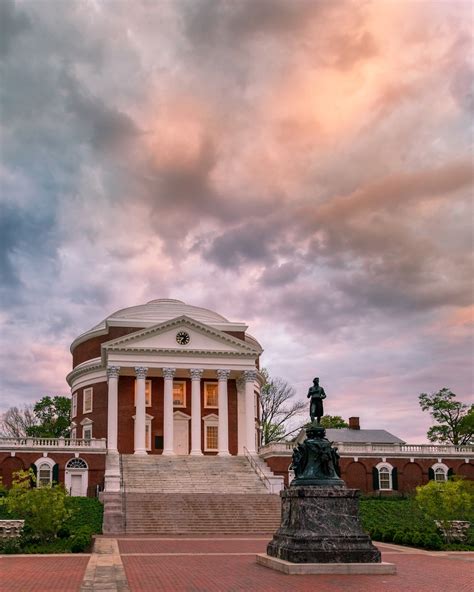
439 472
76 463
45 474
385 477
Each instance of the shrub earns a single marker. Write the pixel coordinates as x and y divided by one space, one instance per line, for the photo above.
81 539
42 508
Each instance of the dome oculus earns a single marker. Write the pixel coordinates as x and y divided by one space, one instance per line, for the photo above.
183 338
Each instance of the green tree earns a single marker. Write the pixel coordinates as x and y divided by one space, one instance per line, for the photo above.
447 501
333 421
278 409
43 508
53 417
455 420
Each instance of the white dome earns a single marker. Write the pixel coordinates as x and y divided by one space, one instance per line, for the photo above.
159 311
164 309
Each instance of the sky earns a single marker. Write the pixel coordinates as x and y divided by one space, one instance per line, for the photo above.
302 166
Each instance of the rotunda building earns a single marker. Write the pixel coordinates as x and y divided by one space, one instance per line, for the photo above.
167 378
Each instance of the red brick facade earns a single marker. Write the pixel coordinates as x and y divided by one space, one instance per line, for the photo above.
358 474
23 461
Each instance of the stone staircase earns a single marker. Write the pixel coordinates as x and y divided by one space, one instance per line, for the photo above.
195 495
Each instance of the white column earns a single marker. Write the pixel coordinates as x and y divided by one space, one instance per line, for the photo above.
168 442
250 376
196 374
112 408
223 430
140 411
241 427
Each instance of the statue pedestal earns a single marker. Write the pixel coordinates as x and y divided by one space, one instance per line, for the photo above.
321 525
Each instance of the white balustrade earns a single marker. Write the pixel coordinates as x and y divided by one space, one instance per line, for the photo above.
57 443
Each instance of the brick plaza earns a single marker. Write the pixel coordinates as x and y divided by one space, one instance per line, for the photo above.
220 564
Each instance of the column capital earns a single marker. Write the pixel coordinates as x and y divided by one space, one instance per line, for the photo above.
169 372
113 371
223 374
196 373
249 375
141 371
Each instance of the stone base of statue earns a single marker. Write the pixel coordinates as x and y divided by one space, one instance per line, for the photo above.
321 525
320 530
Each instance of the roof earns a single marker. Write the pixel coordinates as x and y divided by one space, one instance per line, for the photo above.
159 311
362 436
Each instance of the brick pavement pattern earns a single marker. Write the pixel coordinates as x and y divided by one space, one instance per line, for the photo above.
233 570
37 573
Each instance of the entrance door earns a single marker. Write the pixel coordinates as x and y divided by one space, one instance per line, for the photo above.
76 485
180 434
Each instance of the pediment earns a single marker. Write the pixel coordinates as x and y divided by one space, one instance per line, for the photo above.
162 337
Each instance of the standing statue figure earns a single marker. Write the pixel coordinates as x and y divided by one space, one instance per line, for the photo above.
316 394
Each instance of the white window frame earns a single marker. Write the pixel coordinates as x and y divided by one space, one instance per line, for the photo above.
206 406
73 434
148 388
83 471
74 405
183 382
87 428
440 467
211 420
385 467
44 460
91 390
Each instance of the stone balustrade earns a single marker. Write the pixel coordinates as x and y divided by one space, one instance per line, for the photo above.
369 449
10 529
53 443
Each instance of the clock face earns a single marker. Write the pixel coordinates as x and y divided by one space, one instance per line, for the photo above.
183 338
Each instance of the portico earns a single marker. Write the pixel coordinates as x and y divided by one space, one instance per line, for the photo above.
197 428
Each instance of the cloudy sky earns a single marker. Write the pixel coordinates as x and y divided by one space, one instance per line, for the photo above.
302 166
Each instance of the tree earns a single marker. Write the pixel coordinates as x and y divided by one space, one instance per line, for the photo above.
53 418
333 421
278 409
16 421
447 501
455 419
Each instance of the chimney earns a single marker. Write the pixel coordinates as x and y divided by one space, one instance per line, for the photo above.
354 423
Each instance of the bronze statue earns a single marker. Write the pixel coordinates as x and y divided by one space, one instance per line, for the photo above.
316 394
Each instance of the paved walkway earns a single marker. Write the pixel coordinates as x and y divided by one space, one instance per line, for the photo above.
219 564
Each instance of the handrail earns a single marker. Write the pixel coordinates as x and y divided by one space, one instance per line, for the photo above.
258 470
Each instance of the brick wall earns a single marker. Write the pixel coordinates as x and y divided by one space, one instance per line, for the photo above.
99 410
24 460
90 349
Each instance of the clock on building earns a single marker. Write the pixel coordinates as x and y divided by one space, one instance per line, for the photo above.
183 338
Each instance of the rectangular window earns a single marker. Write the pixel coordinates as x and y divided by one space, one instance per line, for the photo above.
87 432
147 393
73 433
384 479
44 475
211 395
211 438
74 405
87 403
179 393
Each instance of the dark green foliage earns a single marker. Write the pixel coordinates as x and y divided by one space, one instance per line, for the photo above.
85 511
53 417
400 521
81 540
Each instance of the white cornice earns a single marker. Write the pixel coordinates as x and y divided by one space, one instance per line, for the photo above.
85 368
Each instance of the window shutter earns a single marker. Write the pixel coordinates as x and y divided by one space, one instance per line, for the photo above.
375 479
450 473
395 478
56 473
35 473
430 474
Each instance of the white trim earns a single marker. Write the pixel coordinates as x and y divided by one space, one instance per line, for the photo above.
389 467
148 419
44 460
83 472
440 466
216 385
91 390
211 420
